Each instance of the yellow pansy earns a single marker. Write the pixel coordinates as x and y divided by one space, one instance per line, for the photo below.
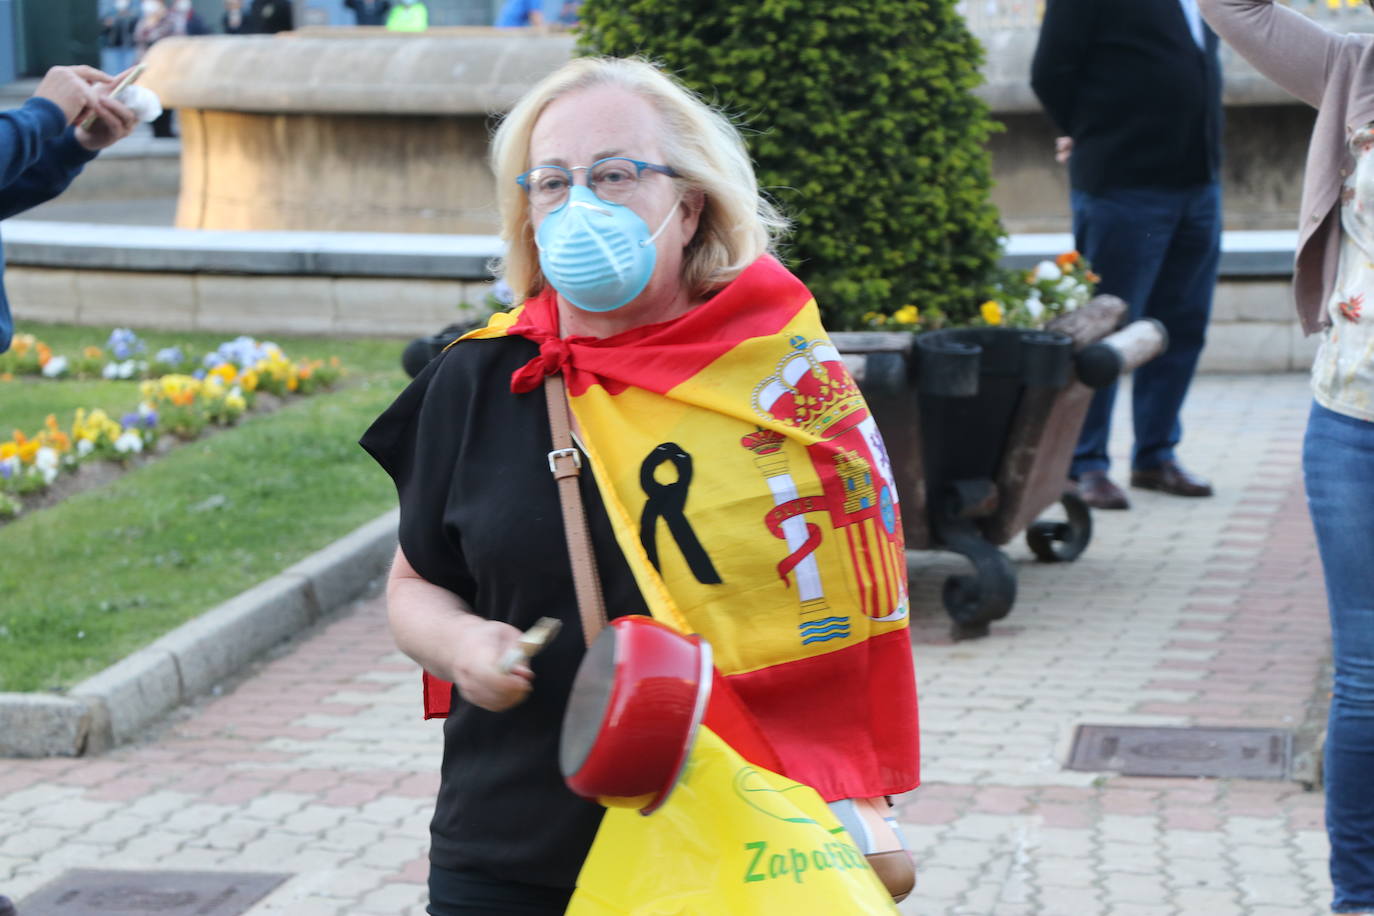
991 311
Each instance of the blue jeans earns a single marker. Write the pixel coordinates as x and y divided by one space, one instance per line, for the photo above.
1158 250
1338 464
117 60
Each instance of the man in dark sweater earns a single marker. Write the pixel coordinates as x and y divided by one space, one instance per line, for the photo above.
41 152
369 12
1135 87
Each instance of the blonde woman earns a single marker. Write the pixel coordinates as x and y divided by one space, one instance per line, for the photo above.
721 498
1333 281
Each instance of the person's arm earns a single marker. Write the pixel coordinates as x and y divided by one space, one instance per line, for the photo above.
433 626
1065 37
39 155
1284 45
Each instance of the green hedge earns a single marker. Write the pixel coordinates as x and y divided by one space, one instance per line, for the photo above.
863 127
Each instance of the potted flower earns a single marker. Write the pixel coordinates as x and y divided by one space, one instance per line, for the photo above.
981 411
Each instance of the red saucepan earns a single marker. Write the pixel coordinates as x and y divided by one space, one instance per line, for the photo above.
638 698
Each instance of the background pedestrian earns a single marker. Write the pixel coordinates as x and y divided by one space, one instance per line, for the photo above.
1136 87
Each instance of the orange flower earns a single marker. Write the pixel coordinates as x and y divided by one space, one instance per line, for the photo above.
293 383
44 354
92 352
1067 259
51 423
1092 277
1350 308
6 376
184 397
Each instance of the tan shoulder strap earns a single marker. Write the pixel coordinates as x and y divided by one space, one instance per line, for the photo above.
565 462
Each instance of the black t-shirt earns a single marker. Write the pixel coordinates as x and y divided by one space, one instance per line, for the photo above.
480 517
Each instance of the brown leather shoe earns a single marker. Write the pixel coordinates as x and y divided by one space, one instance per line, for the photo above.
1098 491
1171 477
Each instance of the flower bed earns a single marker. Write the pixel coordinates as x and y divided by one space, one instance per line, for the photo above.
176 397
1029 299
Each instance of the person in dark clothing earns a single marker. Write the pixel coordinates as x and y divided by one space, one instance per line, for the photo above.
117 24
191 23
1135 87
41 151
267 17
369 12
234 21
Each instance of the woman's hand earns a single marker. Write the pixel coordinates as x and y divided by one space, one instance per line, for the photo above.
477 666
433 626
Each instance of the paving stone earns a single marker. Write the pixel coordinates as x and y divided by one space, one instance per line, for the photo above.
392 852
1141 909
1130 858
1279 889
1069 901
151 847
1209 902
33 841
392 899
1129 888
937 882
312 820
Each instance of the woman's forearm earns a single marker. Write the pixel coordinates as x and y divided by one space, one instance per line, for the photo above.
426 621
439 631
1284 45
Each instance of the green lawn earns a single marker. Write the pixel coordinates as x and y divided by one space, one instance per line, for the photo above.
88 581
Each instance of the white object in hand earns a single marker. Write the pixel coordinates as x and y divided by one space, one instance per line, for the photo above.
143 101
531 642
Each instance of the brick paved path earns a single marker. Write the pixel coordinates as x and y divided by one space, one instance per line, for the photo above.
1181 612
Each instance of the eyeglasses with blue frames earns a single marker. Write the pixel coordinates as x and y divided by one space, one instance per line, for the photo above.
614 180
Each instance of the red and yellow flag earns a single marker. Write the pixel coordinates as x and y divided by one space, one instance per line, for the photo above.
750 490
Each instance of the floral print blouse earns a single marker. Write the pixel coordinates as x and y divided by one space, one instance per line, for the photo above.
1343 373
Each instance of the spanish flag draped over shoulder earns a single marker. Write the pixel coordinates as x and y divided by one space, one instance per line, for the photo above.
751 492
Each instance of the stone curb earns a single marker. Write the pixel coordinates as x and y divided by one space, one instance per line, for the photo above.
116 704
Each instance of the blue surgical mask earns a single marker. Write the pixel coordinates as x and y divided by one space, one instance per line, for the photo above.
598 255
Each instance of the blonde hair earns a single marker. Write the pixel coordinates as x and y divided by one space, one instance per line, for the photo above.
737 223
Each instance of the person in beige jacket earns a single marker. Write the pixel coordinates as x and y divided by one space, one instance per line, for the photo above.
1333 281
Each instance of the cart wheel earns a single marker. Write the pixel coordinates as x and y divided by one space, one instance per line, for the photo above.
975 601
1056 542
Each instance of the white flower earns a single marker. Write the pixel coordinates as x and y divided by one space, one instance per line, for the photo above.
110 371
1046 270
1034 305
145 409
126 369
55 367
45 457
129 442
84 447
45 461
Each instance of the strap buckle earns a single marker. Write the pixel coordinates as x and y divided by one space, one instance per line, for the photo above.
557 453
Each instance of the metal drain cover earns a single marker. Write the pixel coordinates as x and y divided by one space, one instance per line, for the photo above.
1238 753
88 892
